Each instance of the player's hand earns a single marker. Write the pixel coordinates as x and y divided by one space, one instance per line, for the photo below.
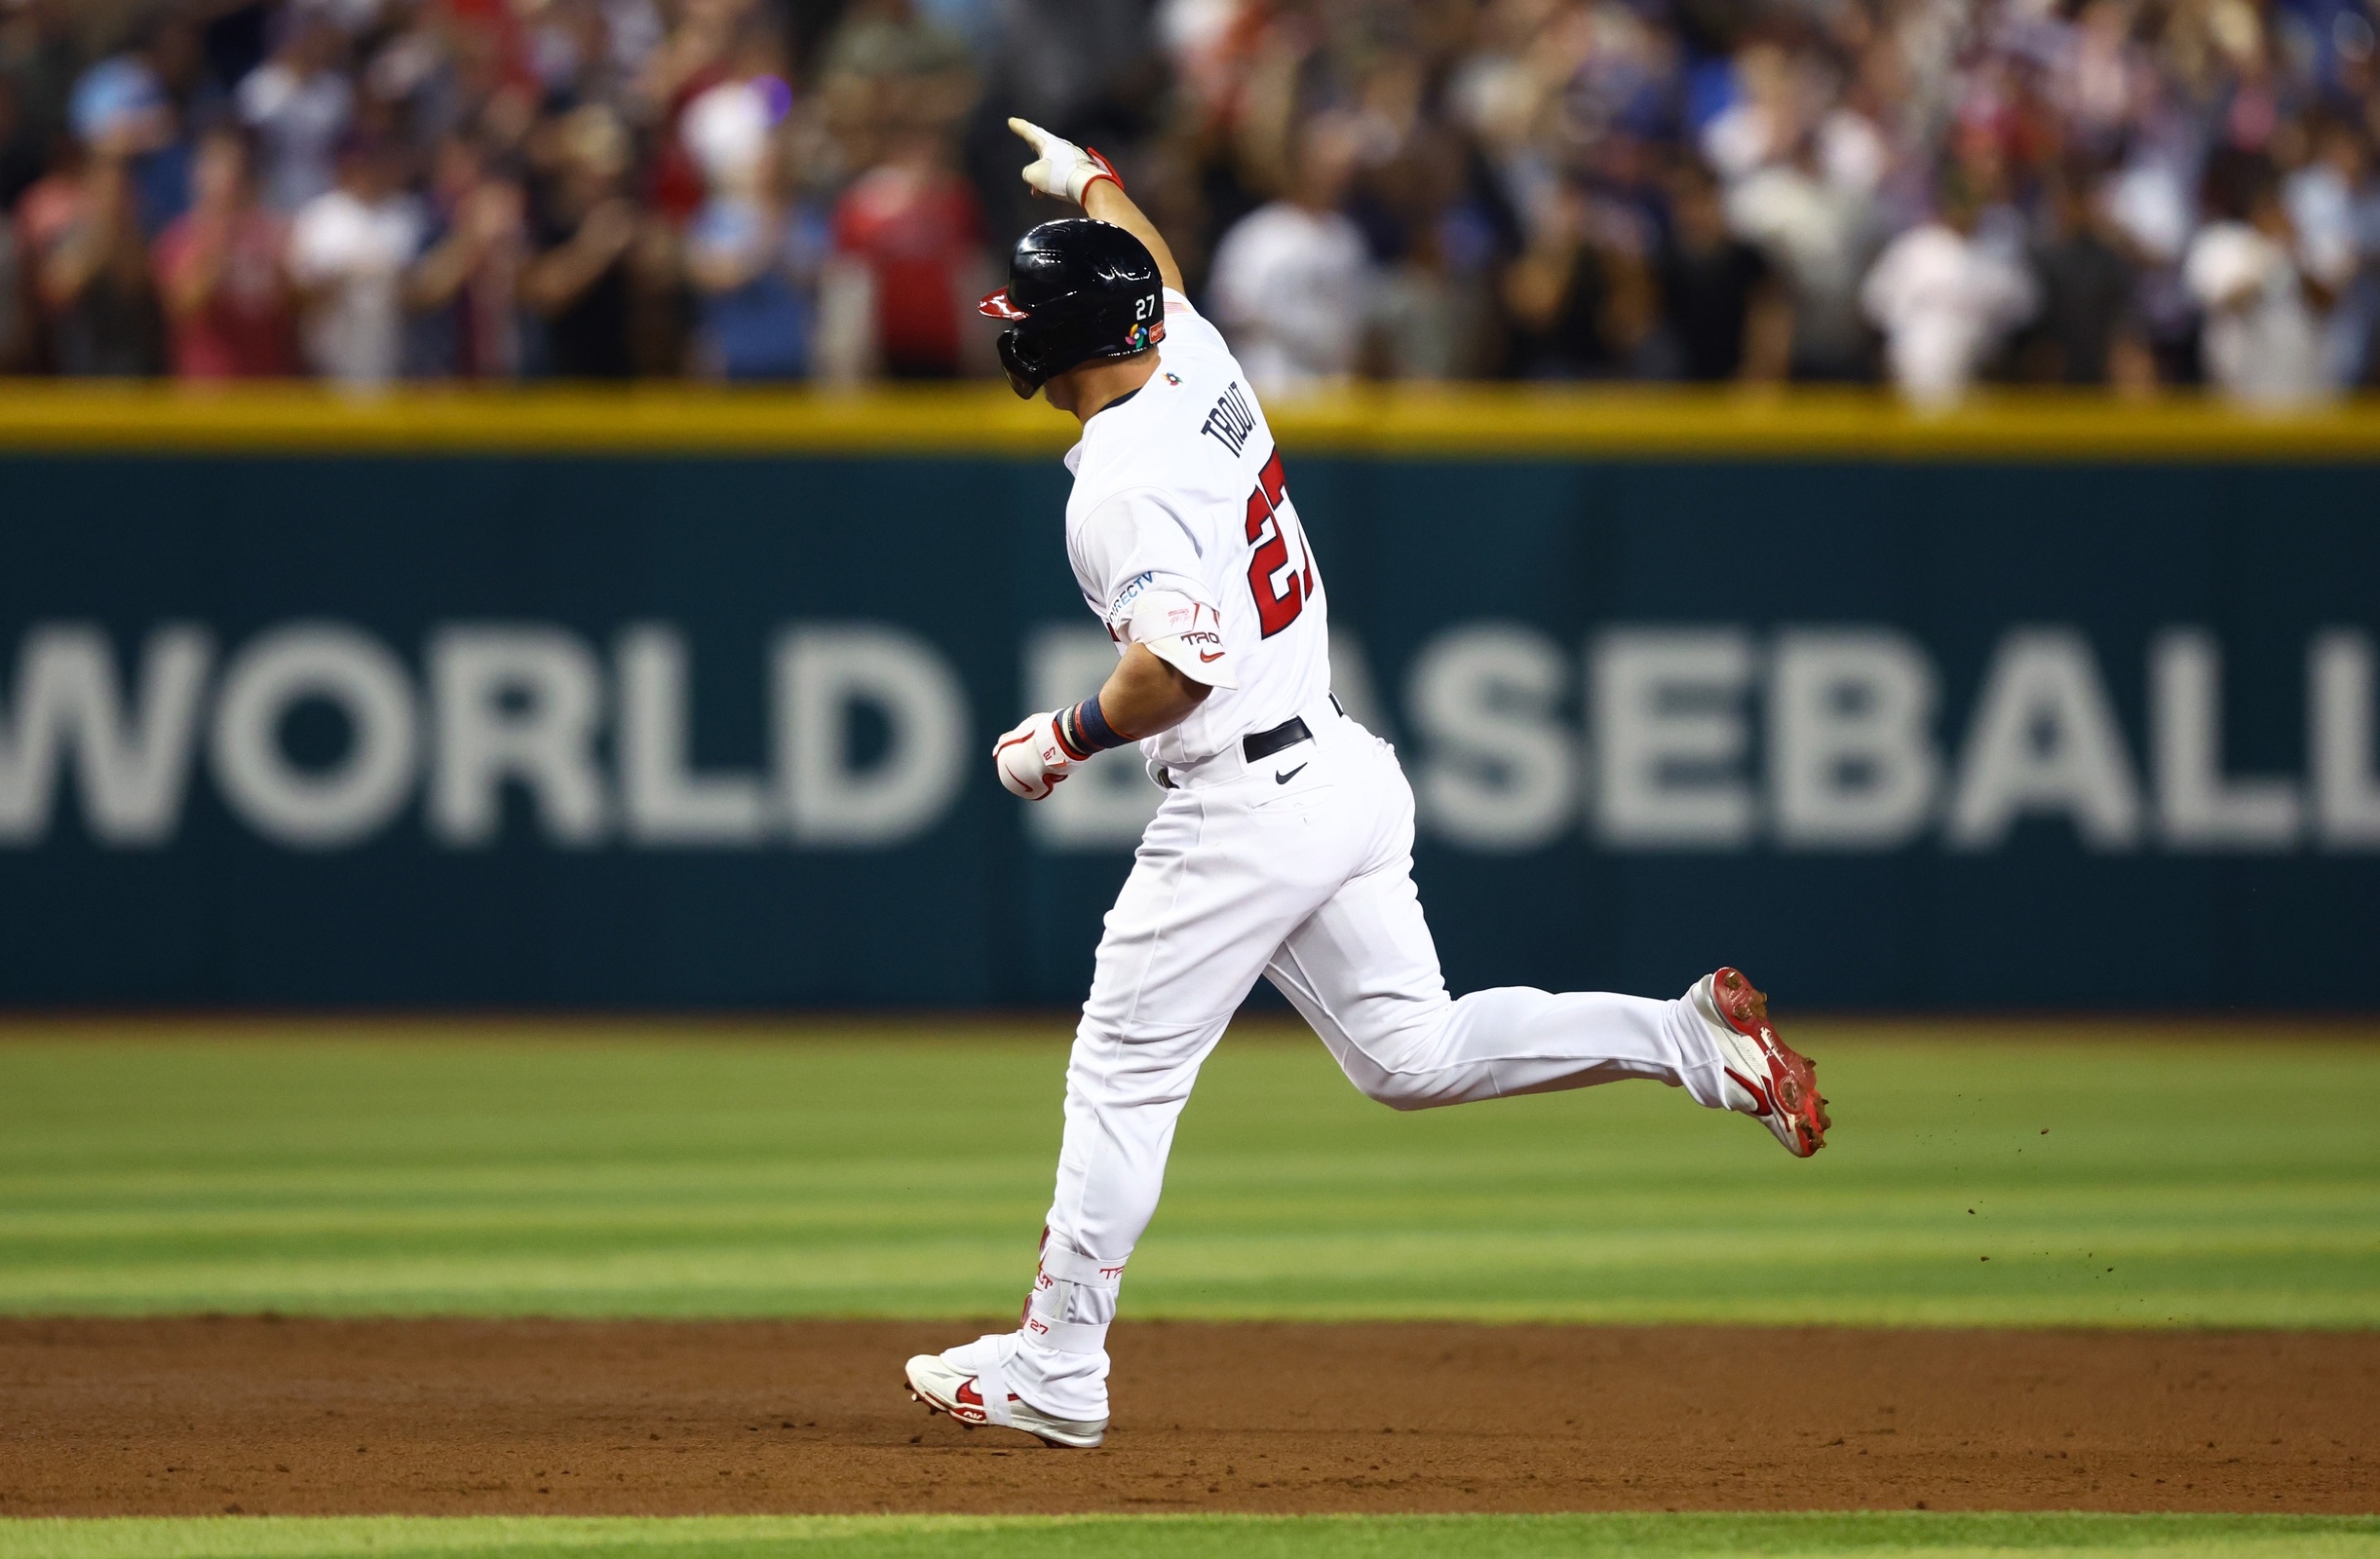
1031 759
1061 168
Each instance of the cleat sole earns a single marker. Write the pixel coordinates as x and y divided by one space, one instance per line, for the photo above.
1744 1007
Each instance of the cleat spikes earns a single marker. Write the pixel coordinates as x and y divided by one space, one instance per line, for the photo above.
1780 1084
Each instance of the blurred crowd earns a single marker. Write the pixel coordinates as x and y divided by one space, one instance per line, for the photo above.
1931 192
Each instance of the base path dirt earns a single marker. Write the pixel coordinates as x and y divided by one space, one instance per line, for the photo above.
442 1417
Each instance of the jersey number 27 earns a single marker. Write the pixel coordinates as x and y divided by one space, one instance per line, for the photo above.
1281 574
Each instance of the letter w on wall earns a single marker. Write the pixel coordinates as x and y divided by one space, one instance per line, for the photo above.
67 705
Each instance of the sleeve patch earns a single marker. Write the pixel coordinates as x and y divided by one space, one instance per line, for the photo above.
1194 647
1120 609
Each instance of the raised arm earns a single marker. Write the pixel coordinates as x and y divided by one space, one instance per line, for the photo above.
1106 201
1068 172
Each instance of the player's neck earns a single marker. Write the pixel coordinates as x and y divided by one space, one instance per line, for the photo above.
1091 388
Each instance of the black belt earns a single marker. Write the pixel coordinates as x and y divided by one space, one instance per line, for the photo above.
1265 743
1262 745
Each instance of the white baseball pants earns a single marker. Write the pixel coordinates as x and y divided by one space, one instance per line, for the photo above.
1298 868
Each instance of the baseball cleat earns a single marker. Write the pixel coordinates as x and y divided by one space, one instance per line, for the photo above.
957 1389
1779 1084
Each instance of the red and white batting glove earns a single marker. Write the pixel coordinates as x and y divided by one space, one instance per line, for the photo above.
1033 758
1061 168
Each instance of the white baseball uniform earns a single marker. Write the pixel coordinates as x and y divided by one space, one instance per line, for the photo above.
1295 866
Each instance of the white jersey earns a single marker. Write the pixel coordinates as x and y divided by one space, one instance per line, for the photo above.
1178 493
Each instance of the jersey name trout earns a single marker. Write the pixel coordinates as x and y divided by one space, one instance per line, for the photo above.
1232 419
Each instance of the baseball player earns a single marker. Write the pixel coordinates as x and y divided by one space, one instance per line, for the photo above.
1283 844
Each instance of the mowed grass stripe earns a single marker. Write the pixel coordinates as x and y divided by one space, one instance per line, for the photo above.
436 1168
1873 1536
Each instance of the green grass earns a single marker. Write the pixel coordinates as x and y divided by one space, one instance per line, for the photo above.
1654 1537
877 1170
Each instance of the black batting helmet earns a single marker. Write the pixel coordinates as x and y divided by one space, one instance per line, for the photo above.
1077 290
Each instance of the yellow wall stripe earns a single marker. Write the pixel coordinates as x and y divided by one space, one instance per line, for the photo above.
1487 421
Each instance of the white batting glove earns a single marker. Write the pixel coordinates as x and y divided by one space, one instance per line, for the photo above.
1032 759
1061 168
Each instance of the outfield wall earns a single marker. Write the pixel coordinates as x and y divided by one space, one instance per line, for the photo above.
684 700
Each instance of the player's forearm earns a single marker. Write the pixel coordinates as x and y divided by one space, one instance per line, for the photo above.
1106 201
1144 696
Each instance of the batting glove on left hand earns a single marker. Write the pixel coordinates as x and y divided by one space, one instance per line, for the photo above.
1061 168
1033 758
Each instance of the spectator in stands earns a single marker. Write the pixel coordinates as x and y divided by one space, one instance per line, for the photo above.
2088 328
591 52
1579 297
222 273
90 271
1429 311
1723 309
349 251
1087 63
2263 302
661 305
581 282
1090 65
463 293
1503 215
42 59
1293 281
889 70
752 259
22 159
693 54
120 109
1815 230
300 103
912 224
1946 299
454 68
41 214
174 45
2336 209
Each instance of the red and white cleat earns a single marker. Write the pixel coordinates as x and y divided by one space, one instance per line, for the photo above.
971 1384
1778 1083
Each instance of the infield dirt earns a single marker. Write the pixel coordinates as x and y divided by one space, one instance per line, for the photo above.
206 1415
